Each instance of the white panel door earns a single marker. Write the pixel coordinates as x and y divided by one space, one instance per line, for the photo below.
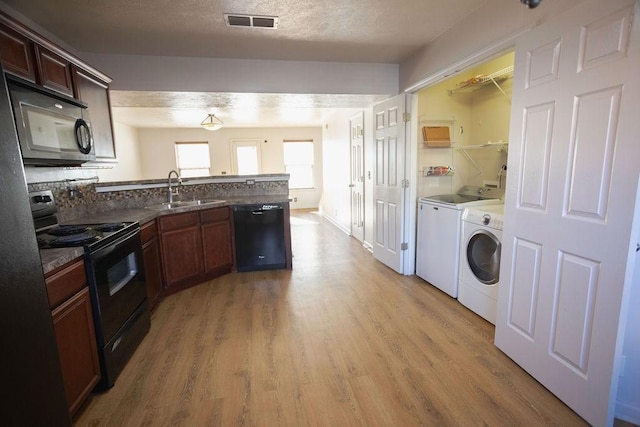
356 123
388 189
574 167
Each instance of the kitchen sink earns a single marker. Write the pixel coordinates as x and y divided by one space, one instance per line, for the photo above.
185 203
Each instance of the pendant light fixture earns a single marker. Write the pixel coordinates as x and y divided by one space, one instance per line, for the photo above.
211 122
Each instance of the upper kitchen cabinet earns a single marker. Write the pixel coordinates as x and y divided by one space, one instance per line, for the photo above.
94 91
30 56
16 54
54 71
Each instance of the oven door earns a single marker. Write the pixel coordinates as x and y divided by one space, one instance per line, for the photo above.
116 279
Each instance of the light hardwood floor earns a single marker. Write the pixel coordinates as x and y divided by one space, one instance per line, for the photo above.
341 340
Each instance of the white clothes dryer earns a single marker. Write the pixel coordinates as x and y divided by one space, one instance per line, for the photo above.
480 248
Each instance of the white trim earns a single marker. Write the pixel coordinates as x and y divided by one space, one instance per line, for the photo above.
336 223
627 412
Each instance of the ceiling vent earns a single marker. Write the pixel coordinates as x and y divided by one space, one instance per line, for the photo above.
250 21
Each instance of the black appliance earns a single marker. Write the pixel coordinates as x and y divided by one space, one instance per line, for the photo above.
260 237
115 274
52 128
32 391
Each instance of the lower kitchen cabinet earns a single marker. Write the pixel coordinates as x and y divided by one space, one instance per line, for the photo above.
217 240
181 247
75 335
152 261
195 246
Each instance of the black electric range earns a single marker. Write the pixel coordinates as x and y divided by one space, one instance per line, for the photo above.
114 266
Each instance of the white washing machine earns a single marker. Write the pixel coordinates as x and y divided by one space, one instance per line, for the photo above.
438 237
480 248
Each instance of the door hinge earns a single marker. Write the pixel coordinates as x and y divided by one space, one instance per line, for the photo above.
404 246
406 117
405 183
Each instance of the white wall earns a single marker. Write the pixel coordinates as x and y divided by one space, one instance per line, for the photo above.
336 198
157 150
160 73
129 166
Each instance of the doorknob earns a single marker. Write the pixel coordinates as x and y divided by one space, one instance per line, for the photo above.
352 185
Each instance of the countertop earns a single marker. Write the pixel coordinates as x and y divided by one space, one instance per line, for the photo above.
54 258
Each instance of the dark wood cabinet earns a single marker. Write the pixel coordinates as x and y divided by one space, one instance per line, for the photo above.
195 246
54 70
181 244
152 262
75 334
16 54
29 55
216 240
95 93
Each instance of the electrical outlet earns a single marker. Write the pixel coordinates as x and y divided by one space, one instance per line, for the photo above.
295 200
250 181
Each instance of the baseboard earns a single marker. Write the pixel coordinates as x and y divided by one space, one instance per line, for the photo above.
368 246
627 412
336 223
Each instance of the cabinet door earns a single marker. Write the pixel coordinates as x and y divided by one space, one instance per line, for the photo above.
95 93
216 241
16 53
182 255
152 271
54 70
75 336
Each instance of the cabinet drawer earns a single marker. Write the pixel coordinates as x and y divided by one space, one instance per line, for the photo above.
65 282
214 215
148 231
176 222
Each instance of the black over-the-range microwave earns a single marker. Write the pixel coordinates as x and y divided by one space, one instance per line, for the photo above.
53 129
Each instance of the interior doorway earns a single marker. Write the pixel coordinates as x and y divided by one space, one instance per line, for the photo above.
356 125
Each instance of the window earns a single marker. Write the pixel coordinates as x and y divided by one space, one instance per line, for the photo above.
298 163
193 159
246 156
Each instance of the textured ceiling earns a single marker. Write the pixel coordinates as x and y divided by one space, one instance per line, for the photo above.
321 30
375 31
188 109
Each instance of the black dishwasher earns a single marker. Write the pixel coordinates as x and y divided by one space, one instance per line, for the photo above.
260 238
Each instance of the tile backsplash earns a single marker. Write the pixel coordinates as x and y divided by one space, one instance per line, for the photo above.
84 197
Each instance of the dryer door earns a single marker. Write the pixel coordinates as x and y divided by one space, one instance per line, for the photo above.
483 256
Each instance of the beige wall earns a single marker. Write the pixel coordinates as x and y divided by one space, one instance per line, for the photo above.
157 151
129 166
475 118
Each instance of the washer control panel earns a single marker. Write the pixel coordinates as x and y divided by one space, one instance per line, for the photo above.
491 216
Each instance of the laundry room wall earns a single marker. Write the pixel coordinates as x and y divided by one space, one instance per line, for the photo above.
475 116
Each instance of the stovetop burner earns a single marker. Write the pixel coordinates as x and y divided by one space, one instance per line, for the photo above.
74 239
67 230
111 226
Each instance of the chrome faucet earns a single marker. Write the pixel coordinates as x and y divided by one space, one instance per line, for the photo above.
170 192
